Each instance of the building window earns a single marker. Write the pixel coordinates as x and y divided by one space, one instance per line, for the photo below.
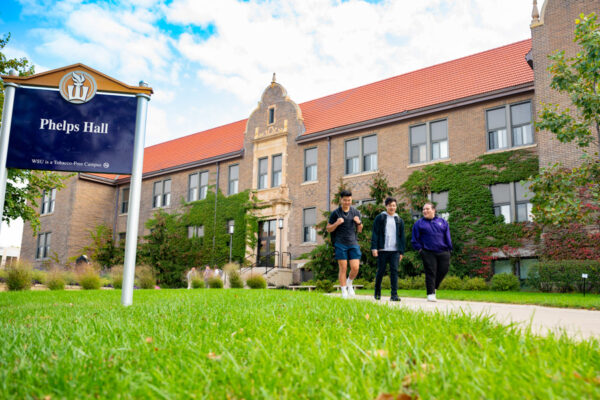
263 170
519 267
162 194
195 231
511 200
518 117
125 200
309 223
48 200
370 153
441 204
365 201
43 245
432 136
310 165
197 186
276 173
357 150
271 115
234 179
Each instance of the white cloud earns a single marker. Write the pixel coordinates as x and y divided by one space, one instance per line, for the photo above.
316 47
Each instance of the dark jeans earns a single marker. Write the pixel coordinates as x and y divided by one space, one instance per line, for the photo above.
384 258
436 267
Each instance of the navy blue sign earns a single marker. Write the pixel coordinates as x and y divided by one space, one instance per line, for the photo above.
49 133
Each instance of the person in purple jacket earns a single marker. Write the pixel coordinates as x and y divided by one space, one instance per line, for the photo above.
431 237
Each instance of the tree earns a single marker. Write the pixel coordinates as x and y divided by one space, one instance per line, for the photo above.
24 187
102 249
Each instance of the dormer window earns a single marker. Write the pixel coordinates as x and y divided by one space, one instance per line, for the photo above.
271 115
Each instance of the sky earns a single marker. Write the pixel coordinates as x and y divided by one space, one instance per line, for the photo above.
209 61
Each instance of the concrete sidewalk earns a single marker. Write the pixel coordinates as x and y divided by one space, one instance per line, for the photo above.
576 323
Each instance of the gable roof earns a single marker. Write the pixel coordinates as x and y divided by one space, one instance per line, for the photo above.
489 71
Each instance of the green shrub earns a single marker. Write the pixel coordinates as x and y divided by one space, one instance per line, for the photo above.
452 283
564 276
3 274
476 283
145 277
325 285
197 283
38 276
404 284
88 277
214 282
417 282
310 282
70 277
18 276
116 275
235 280
505 282
386 283
256 282
55 279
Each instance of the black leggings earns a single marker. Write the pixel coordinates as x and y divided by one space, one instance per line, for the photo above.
436 267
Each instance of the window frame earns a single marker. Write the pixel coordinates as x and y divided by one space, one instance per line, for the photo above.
43 246
124 209
429 142
276 173
309 229
163 197
271 115
315 165
508 125
48 201
265 175
513 203
361 154
236 181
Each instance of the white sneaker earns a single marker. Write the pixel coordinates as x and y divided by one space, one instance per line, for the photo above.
344 292
351 290
431 297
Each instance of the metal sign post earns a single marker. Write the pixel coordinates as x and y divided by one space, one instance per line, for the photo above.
9 97
133 215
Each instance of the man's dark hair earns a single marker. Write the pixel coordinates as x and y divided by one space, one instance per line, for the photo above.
390 200
345 193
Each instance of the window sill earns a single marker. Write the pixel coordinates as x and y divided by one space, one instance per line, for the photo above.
308 244
502 150
308 183
47 214
360 174
416 165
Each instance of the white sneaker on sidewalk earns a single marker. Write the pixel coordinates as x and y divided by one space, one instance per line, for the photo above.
344 292
351 290
431 297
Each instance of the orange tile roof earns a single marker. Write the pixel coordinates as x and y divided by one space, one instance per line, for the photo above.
480 73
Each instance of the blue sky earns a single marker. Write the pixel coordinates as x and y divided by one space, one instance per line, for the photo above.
210 60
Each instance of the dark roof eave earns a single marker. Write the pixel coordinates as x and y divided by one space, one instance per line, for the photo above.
388 119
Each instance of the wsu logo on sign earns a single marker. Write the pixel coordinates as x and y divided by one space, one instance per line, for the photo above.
77 87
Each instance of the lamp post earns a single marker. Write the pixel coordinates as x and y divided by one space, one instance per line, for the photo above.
231 229
280 222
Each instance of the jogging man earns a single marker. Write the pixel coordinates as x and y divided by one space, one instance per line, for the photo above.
344 224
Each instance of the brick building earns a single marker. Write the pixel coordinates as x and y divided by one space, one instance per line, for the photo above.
293 155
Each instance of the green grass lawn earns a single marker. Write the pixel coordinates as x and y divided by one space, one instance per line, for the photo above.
271 344
566 300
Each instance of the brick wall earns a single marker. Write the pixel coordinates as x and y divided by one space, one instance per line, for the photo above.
555 32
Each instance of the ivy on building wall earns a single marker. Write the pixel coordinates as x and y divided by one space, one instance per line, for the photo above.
474 228
169 250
